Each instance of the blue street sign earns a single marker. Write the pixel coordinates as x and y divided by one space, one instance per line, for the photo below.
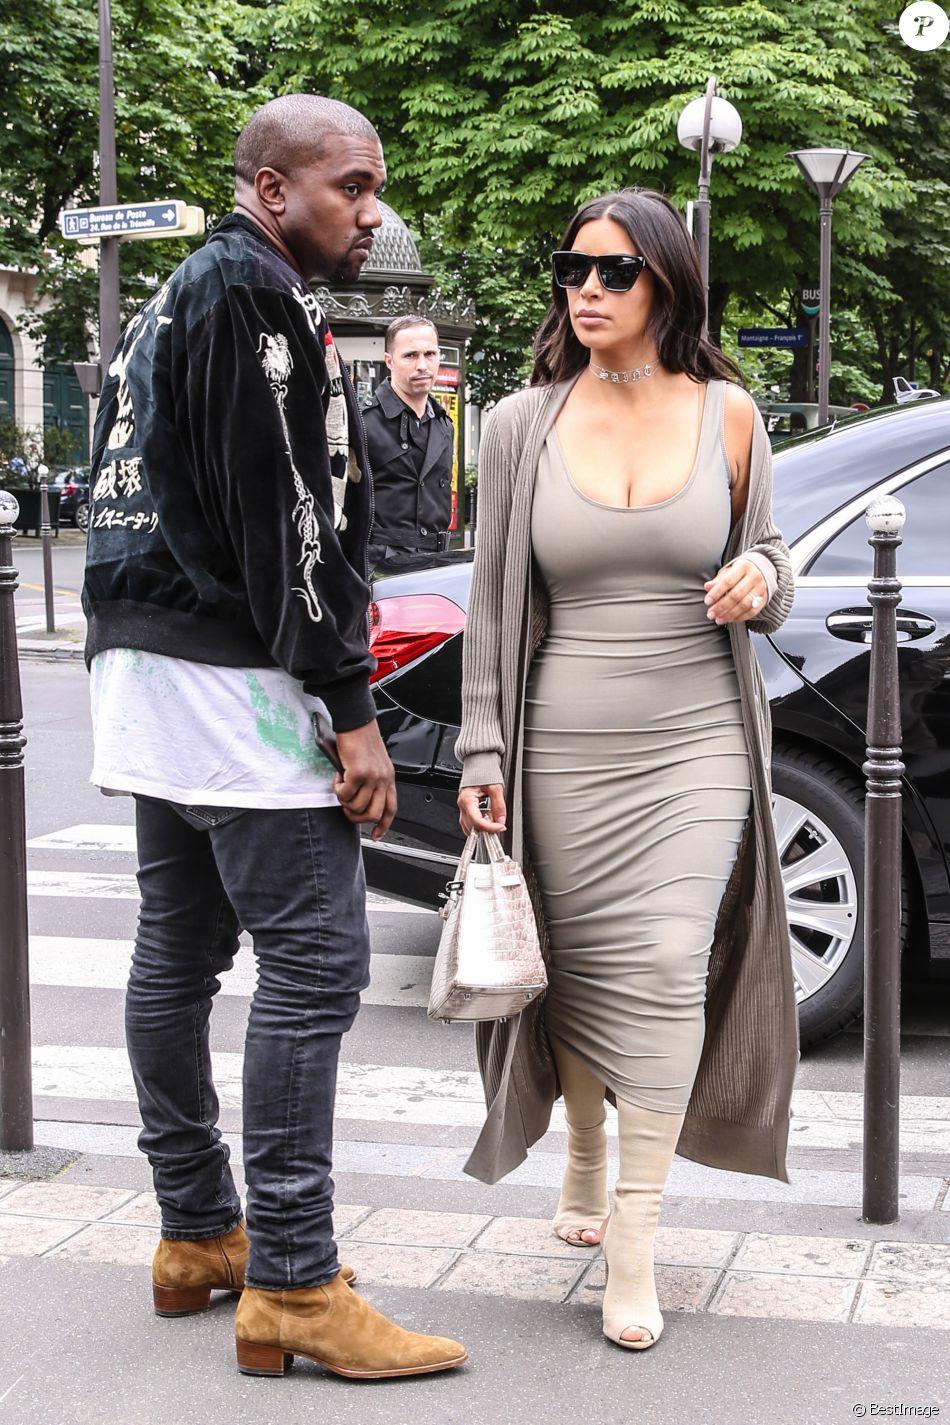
773 336
125 219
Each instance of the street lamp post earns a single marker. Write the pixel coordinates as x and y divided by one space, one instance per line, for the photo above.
108 247
46 537
708 126
827 170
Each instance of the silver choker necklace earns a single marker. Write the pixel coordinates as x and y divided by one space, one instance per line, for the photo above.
618 377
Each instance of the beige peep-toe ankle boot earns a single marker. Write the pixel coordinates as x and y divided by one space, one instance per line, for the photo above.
647 1144
583 1202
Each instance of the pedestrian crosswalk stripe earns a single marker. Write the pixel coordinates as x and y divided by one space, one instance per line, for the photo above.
397 981
87 836
542 1169
406 1097
453 1098
122 885
83 885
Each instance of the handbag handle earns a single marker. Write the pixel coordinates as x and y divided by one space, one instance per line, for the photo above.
491 842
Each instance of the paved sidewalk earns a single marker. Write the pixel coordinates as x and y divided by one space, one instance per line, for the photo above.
33 642
65 645
872 1282
759 1327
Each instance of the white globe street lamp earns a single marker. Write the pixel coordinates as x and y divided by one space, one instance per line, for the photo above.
708 126
827 170
9 508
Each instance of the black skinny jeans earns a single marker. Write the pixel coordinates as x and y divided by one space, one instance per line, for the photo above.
294 880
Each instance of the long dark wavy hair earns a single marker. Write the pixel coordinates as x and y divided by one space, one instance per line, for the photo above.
676 322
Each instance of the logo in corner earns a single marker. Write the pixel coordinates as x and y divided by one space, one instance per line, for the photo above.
924 26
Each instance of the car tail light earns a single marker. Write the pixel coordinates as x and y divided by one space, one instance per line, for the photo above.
70 488
404 628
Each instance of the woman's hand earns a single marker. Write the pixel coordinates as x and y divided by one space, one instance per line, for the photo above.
738 592
471 819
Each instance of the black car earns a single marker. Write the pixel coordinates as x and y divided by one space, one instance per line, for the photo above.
73 486
816 669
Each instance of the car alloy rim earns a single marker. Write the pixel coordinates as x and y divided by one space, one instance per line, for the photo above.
82 517
821 895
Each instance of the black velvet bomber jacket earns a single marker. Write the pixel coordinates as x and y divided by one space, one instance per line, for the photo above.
229 519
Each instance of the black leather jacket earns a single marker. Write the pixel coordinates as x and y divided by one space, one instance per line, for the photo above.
412 472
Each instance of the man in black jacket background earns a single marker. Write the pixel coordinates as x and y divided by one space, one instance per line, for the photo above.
226 595
411 439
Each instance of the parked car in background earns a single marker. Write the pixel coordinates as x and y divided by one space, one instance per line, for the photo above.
816 669
784 419
906 391
73 486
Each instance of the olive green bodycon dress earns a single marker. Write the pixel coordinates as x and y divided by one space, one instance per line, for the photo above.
636 777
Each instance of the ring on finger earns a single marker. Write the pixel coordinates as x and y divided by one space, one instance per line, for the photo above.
755 600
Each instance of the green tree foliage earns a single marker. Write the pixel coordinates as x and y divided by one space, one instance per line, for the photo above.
182 92
23 449
498 118
905 305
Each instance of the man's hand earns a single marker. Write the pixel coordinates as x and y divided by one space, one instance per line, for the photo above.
367 789
737 593
471 819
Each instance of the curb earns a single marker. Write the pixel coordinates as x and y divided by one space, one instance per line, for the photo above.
50 652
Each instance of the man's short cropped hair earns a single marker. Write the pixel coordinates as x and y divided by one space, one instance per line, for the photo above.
401 324
290 132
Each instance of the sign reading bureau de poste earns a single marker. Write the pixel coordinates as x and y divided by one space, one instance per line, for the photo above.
170 218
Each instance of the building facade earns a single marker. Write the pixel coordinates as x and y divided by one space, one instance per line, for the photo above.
35 394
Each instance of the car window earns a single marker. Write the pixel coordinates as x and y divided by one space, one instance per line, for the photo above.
925 550
819 472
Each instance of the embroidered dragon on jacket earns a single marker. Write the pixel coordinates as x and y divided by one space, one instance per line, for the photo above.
277 363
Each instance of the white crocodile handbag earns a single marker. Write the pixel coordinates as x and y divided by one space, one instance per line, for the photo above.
489 963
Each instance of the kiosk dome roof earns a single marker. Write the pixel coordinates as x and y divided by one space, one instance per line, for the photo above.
393 247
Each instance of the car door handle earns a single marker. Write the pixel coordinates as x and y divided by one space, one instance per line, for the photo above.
855 625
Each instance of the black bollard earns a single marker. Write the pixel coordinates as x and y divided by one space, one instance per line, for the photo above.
16 1075
882 876
46 535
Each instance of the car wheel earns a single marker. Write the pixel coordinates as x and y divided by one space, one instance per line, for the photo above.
819 823
82 517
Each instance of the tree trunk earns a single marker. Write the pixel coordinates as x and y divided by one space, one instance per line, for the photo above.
718 298
889 341
798 378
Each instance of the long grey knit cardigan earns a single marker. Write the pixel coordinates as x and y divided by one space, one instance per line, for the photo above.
738 1115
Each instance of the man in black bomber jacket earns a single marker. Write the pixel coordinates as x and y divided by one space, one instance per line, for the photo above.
226 599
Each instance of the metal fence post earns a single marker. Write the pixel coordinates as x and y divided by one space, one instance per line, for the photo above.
46 535
16 1079
882 876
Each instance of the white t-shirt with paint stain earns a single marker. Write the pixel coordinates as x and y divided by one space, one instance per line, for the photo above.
201 735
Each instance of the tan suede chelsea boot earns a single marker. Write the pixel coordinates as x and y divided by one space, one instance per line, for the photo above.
334 1326
185 1273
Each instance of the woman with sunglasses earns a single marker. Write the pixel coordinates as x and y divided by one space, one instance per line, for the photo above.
615 718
